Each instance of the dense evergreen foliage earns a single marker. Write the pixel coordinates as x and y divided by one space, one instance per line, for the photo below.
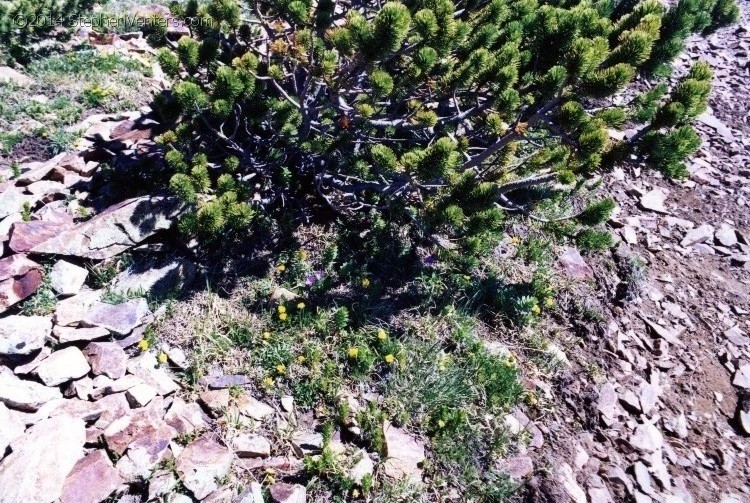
437 115
24 22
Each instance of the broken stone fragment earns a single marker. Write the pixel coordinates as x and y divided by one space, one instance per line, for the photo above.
19 279
155 279
117 318
251 446
71 334
654 200
106 358
11 429
52 447
22 335
67 278
92 479
517 467
62 366
113 231
698 235
71 311
363 468
288 493
24 236
307 442
186 418
405 455
573 264
147 368
22 394
149 448
201 464
140 395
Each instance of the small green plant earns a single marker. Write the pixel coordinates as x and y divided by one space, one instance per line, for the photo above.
8 140
62 140
26 211
15 168
96 95
43 302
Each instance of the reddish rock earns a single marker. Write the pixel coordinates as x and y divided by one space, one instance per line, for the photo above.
115 406
574 265
106 358
141 423
288 493
19 278
91 480
186 418
146 451
26 235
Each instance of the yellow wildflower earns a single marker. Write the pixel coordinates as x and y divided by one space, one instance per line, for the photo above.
302 254
353 352
282 309
382 335
441 423
281 368
266 335
281 268
301 359
282 316
536 309
162 357
467 277
301 306
267 381
549 302
389 359
366 282
515 240
143 345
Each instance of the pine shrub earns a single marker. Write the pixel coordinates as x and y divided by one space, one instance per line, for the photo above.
25 22
437 116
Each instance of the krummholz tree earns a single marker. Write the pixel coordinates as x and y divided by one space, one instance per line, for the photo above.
24 22
443 116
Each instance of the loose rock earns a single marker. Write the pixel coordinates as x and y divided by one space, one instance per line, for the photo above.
67 278
201 464
62 366
404 455
92 479
22 335
288 493
52 447
106 358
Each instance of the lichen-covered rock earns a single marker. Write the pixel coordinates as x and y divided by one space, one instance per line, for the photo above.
22 335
